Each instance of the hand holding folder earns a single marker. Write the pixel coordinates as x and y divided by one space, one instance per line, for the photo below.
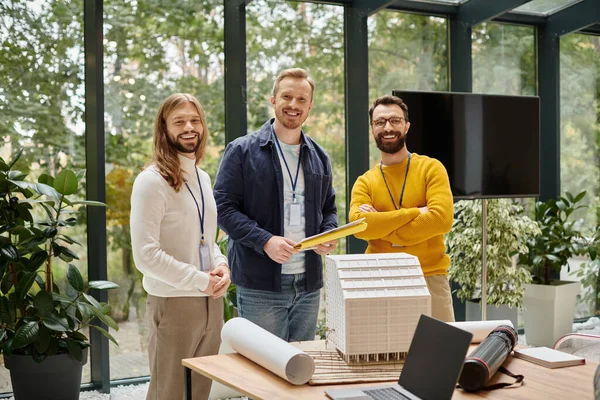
341 231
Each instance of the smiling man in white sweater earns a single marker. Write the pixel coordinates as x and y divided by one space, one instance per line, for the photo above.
173 225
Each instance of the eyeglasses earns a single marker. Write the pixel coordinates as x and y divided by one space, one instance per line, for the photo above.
394 121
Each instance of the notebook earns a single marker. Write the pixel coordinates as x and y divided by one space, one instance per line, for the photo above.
549 358
431 369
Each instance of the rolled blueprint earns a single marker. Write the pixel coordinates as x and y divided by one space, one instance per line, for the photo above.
268 351
480 329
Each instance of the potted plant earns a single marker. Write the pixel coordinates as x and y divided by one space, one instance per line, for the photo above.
507 226
41 325
549 302
588 274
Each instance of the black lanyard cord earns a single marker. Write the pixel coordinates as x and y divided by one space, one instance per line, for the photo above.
403 184
200 214
293 180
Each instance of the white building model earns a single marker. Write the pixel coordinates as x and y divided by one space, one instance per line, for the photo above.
373 304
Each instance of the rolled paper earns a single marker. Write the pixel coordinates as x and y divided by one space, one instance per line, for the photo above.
268 351
480 329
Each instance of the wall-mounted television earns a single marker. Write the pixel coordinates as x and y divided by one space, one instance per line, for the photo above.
489 144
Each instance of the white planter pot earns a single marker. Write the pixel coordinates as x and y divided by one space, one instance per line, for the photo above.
548 311
492 313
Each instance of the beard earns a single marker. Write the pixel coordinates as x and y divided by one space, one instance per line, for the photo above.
282 118
185 148
391 147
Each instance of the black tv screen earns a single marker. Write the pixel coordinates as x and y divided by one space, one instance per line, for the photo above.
489 144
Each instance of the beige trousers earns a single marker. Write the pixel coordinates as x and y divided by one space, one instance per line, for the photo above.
181 327
441 297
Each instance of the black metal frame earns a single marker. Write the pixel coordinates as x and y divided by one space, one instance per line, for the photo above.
584 16
236 119
95 180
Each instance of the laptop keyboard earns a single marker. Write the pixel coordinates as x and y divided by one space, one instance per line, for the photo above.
385 394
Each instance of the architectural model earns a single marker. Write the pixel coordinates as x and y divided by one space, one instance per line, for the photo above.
373 304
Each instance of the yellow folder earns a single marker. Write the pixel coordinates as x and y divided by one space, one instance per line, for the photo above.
341 231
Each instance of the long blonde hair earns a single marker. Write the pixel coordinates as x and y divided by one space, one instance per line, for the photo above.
164 156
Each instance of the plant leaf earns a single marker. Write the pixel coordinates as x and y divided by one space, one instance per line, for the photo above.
8 312
96 309
78 336
74 277
579 197
43 303
56 323
16 158
74 350
8 251
24 286
102 285
89 203
92 301
26 334
48 211
67 251
46 179
65 182
36 260
105 333
47 190
68 239
43 340
20 184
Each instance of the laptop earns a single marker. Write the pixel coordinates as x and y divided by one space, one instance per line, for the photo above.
431 369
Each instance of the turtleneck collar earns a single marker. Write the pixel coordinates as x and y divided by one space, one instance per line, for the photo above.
187 164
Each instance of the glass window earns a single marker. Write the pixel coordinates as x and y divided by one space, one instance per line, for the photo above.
152 49
544 7
580 147
504 59
406 51
41 104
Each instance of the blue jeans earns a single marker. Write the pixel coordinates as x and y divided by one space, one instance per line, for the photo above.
290 315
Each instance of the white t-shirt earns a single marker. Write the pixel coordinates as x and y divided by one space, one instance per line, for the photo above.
295 265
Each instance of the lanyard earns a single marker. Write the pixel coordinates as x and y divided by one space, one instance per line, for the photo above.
292 179
403 184
200 214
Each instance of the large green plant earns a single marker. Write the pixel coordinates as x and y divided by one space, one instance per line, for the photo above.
589 275
507 228
561 239
36 318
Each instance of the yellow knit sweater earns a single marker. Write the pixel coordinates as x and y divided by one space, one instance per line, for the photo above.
407 230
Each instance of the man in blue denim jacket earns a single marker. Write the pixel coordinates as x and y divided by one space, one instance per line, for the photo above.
273 188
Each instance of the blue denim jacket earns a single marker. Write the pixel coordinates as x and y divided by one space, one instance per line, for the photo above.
249 195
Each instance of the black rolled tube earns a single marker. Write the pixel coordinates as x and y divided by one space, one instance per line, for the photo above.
484 361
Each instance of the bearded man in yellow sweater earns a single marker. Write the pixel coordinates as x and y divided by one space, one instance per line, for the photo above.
407 202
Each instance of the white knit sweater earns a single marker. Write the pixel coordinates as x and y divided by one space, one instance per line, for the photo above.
165 232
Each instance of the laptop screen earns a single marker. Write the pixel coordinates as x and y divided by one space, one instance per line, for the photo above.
435 359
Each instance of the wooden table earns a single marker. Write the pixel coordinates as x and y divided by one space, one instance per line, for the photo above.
243 375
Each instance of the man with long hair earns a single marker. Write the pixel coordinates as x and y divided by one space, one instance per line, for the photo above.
273 188
407 202
173 227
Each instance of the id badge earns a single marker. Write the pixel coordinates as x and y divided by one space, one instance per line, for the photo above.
205 264
295 214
